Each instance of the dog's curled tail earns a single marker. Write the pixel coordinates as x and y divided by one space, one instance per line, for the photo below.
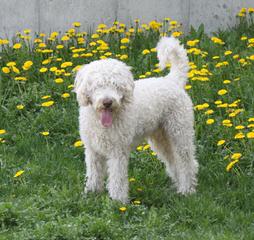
170 51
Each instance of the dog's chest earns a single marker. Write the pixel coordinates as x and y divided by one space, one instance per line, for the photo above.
105 140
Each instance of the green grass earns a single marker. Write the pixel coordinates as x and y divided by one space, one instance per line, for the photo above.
47 201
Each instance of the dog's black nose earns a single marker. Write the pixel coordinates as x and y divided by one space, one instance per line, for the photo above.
107 103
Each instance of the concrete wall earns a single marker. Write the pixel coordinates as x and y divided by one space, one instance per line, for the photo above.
50 15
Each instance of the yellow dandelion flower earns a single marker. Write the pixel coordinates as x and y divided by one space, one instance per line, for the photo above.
95 35
132 179
227 123
224 105
192 43
4 41
44 133
251 119
65 95
46 61
217 102
59 80
6 70
177 34
137 202
222 92
27 65
46 97
122 209
102 26
251 10
125 40
173 23
17 46
47 104
154 25
131 30
65 38
108 54
20 78
139 148
78 143
37 40
250 135
15 69
43 70
208 112
239 135
53 69
226 81
42 45
146 147
239 127
92 44
76 24
188 86
251 57
146 51
20 107
221 142
201 106
60 46
19 173
227 52
66 64
231 164
236 156
123 57
2 131
210 121
217 40
11 64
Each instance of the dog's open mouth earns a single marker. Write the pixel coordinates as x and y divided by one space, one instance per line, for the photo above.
106 117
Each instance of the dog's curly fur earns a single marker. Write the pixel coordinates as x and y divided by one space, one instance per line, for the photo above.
117 113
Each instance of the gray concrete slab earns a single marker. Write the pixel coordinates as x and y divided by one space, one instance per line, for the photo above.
56 15
60 14
16 15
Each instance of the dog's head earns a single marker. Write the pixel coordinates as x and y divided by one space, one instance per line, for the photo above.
107 85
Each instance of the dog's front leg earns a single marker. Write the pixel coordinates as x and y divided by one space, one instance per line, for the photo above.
95 171
118 185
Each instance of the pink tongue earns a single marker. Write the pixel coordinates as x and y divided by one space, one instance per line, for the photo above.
106 118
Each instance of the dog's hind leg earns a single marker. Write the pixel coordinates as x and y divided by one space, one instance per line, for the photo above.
181 136
161 145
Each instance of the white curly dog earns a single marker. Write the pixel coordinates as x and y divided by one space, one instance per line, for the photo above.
117 113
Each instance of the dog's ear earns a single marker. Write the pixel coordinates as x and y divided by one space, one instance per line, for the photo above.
79 87
129 85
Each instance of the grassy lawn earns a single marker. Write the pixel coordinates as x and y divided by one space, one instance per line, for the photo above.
41 157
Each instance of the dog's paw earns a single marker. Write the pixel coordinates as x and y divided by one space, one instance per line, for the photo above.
186 191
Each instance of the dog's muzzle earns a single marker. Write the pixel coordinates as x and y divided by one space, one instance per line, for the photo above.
106 114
